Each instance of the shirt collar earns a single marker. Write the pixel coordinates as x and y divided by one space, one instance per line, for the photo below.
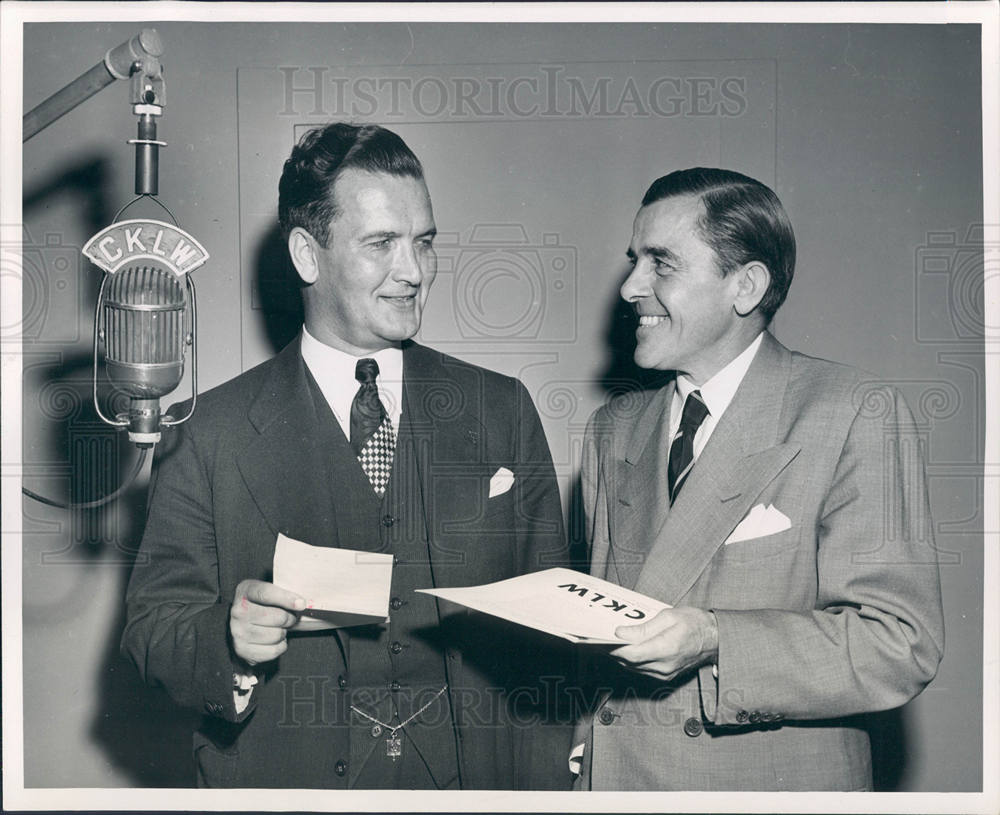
719 391
333 371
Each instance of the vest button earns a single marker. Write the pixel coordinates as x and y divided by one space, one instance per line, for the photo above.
394 685
342 681
693 727
396 647
340 767
606 716
388 520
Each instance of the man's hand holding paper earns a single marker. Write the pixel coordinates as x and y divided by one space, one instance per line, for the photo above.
674 641
260 618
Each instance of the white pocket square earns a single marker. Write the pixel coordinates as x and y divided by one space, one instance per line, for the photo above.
758 522
502 480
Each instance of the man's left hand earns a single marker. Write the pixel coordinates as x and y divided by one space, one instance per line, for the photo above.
674 641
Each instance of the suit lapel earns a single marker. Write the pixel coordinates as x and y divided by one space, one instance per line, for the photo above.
637 495
449 444
741 458
285 468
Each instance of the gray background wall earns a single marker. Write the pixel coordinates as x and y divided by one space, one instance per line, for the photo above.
870 134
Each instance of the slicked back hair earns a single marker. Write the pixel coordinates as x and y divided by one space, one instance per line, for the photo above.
306 195
743 221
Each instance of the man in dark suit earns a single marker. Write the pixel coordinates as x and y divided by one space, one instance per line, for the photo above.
353 437
776 501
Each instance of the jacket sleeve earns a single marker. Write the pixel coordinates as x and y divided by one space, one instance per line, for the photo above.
177 622
593 492
541 536
543 732
876 635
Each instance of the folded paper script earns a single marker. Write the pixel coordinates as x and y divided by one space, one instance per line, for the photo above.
562 602
341 587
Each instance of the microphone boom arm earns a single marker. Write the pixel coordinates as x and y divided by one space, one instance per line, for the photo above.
139 55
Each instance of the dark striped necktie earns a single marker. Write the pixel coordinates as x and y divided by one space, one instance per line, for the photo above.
682 445
372 436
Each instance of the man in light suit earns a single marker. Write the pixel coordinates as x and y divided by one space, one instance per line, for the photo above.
353 437
776 501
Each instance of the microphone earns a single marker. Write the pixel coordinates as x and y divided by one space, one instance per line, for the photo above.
146 318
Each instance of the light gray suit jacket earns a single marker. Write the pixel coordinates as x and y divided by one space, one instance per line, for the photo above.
836 616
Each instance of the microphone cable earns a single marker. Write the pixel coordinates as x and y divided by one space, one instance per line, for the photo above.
97 502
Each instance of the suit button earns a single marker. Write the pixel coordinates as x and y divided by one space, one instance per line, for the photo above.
395 604
606 716
742 716
340 767
396 647
342 681
388 520
693 727
394 685
754 717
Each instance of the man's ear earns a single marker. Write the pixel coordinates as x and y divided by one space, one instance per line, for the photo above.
302 249
752 282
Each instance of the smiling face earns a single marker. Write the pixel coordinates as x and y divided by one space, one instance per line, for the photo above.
687 319
367 288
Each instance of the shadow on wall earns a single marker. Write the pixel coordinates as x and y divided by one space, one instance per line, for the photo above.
887 731
137 730
144 734
277 296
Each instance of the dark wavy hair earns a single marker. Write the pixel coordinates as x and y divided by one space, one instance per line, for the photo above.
743 221
306 190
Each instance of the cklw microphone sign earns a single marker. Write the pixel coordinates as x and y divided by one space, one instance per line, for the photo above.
126 242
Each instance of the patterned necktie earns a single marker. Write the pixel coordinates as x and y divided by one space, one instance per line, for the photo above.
372 436
682 446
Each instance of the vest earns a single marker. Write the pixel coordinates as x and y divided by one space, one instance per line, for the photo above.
398 667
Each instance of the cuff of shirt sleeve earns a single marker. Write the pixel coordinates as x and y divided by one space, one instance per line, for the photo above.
708 688
243 685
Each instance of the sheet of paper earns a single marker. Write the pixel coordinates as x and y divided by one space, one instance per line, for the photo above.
341 587
562 602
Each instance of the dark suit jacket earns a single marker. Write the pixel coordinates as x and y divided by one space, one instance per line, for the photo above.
840 614
247 467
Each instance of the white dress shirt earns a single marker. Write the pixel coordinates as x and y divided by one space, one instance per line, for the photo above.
716 393
333 371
